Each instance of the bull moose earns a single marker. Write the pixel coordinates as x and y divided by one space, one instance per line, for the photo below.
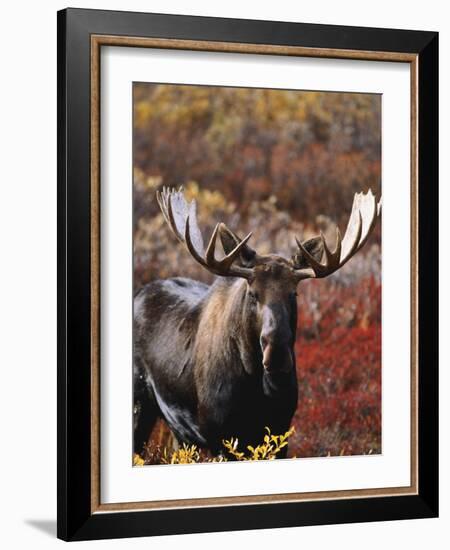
217 361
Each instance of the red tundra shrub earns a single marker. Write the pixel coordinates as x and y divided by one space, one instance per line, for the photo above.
338 355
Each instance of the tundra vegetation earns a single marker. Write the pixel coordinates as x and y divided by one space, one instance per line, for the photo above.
277 164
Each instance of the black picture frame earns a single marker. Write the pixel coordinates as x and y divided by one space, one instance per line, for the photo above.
76 519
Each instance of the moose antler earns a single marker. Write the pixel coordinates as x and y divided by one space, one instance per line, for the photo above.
181 217
363 217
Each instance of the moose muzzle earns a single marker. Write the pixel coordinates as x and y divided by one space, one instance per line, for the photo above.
276 339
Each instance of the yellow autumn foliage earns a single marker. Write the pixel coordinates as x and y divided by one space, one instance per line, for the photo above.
267 450
138 460
208 201
191 454
187 454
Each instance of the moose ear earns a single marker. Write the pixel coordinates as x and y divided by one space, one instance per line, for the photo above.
314 246
229 241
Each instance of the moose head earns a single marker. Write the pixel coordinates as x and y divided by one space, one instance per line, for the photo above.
272 280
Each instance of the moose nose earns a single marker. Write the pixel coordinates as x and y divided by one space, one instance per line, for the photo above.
270 330
267 349
277 356
275 339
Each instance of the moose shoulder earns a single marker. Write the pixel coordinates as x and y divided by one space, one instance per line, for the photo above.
218 361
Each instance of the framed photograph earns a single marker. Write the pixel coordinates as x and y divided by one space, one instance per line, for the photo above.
247 255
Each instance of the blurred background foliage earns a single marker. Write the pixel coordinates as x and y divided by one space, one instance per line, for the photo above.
311 150
278 163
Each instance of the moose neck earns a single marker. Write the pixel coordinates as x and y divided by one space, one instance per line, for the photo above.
227 332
